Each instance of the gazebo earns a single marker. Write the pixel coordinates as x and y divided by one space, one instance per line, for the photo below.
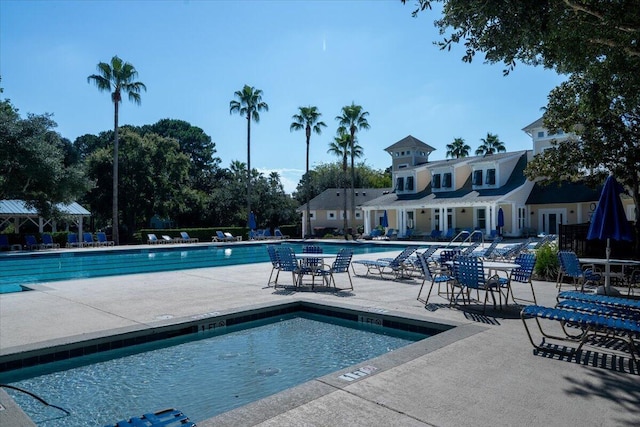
18 213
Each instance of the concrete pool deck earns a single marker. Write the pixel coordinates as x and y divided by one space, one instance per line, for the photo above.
484 373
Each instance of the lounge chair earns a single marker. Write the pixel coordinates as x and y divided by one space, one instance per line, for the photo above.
278 234
435 234
152 239
72 241
488 253
231 237
169 239
102 239
48 243
622 329
395 266
187 239
4 242
615 302
221 237
87 240
266 234
31 242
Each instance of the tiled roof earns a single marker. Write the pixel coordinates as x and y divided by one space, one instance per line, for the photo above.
566 192
333 198
18 208
410 141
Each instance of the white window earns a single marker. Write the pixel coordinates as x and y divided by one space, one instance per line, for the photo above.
332 215
312 215
358 215
541 134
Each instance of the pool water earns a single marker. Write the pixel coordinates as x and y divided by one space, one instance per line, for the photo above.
202 377
21 270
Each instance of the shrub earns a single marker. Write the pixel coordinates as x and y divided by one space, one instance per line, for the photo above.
547 265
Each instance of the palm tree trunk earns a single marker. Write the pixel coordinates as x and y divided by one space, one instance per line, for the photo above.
308 184
248 164
116 223
353 186
344 190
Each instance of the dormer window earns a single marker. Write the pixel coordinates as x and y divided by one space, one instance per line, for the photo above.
446 180
477 177
435 183
541 134
400 184
409 185
491 177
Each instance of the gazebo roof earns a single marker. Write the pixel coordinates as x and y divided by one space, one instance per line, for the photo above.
19 208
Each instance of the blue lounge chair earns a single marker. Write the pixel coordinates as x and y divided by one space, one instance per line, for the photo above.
187 239
626 330
221 237
435 234
31 242
4 242
152 239
87 240
609 301
489 252
278 234
102 239
72 241
48 243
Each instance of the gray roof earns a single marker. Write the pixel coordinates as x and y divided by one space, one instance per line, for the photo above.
564 192
538 123
410 142
19 208
333 198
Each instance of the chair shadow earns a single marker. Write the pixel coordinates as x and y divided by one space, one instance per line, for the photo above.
596 359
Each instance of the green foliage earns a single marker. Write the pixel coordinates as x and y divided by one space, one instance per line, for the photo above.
36 164
547 264
458 148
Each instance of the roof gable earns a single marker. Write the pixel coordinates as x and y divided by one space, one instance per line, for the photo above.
410 142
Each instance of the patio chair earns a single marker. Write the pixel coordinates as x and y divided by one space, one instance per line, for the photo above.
230 237
287 262
152 239
275 265
521 274
339 266
433 277
266 234
102 239
435 234
570 268
395 266
169 239
278 234
187 239
87 240
310 266
4 242
626 330
469 274
48 243
31 242
72 241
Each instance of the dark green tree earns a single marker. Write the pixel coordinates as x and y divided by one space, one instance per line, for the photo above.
248 103
490 145
117 77
458 148
308 118
37 165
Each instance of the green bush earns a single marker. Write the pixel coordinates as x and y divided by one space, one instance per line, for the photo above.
547 265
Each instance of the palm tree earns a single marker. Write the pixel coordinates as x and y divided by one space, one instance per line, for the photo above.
307 119
248 103
340 147
490 145
458 149
353 119
117 77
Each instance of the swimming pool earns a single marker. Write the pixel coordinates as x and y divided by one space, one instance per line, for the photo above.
214 371
23 269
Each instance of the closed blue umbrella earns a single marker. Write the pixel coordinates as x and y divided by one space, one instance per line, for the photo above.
385 220
500 220
252 221
609 220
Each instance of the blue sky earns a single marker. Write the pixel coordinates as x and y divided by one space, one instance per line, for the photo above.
193 56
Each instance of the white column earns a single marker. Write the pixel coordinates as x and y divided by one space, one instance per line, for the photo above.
40 224
490 223
366 217
444 220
